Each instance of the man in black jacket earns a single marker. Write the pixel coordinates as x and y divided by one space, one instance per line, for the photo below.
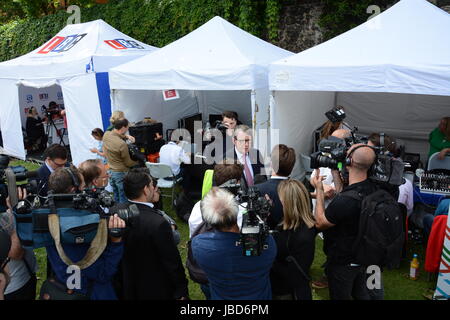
283 160
55 157
151 265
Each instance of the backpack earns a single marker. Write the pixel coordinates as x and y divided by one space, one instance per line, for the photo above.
380 235
183 206
195 272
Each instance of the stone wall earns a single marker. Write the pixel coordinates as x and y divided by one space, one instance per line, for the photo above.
299 28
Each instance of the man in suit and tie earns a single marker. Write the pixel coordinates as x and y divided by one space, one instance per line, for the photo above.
282 163
151 266
55 157
249 157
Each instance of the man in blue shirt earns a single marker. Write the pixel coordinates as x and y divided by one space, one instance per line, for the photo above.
441 210
231 275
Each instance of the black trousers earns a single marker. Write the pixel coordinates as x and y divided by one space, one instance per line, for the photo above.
346 282
27 292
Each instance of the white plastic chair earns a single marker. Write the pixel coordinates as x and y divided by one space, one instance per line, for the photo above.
435 163
161 171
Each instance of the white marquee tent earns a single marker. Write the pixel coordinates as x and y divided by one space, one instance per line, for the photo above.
391 74
216 67
77 59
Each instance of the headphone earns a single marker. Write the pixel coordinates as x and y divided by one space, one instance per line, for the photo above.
74 177
348 159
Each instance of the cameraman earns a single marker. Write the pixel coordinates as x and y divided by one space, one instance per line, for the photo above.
118 157
5 245
340 225
22 265
96 280
94 173
151 265
231 275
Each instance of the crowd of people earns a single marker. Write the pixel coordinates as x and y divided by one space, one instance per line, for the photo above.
140 259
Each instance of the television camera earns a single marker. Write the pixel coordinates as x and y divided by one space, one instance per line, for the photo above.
254 230
333 154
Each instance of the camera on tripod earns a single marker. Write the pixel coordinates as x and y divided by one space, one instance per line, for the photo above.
220 126
50 111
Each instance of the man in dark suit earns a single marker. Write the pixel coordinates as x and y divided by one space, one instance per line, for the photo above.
283 161
151 265
250 158
55 157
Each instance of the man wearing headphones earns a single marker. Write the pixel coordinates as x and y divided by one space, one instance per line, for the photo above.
340 224
95 280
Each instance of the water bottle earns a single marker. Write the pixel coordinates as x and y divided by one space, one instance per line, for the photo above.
414 269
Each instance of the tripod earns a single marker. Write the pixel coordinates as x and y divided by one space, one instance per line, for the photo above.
48 131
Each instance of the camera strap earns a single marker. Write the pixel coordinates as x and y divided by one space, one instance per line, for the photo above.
96 248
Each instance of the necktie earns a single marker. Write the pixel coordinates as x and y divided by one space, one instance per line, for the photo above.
248 174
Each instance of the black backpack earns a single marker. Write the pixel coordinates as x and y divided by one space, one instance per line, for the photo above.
195 272
183 206
381 234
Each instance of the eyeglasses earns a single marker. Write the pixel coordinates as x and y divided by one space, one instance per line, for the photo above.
59 165
244 141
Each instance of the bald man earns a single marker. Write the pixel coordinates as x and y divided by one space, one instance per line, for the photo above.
340 224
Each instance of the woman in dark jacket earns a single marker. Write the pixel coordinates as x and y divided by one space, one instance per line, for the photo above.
295 242
35 130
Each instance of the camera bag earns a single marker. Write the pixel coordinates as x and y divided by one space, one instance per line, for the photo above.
76 227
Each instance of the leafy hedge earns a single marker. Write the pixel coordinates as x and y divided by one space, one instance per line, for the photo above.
156 22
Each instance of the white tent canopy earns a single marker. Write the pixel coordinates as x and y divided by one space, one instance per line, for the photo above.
77 59
226 67
391 74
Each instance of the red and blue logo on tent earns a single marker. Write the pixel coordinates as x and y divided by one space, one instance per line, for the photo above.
121 44
62 44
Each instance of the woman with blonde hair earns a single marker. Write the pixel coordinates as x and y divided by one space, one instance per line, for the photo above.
116 115
295 242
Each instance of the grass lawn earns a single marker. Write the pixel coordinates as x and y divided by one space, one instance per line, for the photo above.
397 286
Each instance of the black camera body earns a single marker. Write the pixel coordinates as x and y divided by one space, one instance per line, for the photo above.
254 230
50 111
332 153
220 126
336 114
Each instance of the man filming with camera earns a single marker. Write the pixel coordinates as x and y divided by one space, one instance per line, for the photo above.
219 253
340 225
96 279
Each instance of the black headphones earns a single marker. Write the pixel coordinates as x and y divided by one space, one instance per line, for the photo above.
348 159
74 177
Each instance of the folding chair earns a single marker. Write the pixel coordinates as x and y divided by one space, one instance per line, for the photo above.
162 171
435 163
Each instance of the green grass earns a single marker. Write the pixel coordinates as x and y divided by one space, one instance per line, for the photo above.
397 286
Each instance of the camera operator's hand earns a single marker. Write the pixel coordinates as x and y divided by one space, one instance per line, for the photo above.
317 180
21 195
116 223
442 154
329 191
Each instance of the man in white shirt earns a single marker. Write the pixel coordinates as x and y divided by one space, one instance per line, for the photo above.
174 155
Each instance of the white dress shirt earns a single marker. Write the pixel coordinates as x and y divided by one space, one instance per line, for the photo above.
406 196
173 155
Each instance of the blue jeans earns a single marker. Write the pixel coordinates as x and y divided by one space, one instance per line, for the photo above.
427 223
116 181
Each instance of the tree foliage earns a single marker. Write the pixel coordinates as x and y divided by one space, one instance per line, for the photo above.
156 22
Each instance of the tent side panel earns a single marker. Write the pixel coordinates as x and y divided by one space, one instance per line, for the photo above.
10 123
297 115
104 98
83 114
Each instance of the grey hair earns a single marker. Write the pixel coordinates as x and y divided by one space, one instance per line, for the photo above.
219 208
242 127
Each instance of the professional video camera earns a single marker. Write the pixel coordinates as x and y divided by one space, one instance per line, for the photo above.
333 154
220 126
254 230
50 111
9 176
135 154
